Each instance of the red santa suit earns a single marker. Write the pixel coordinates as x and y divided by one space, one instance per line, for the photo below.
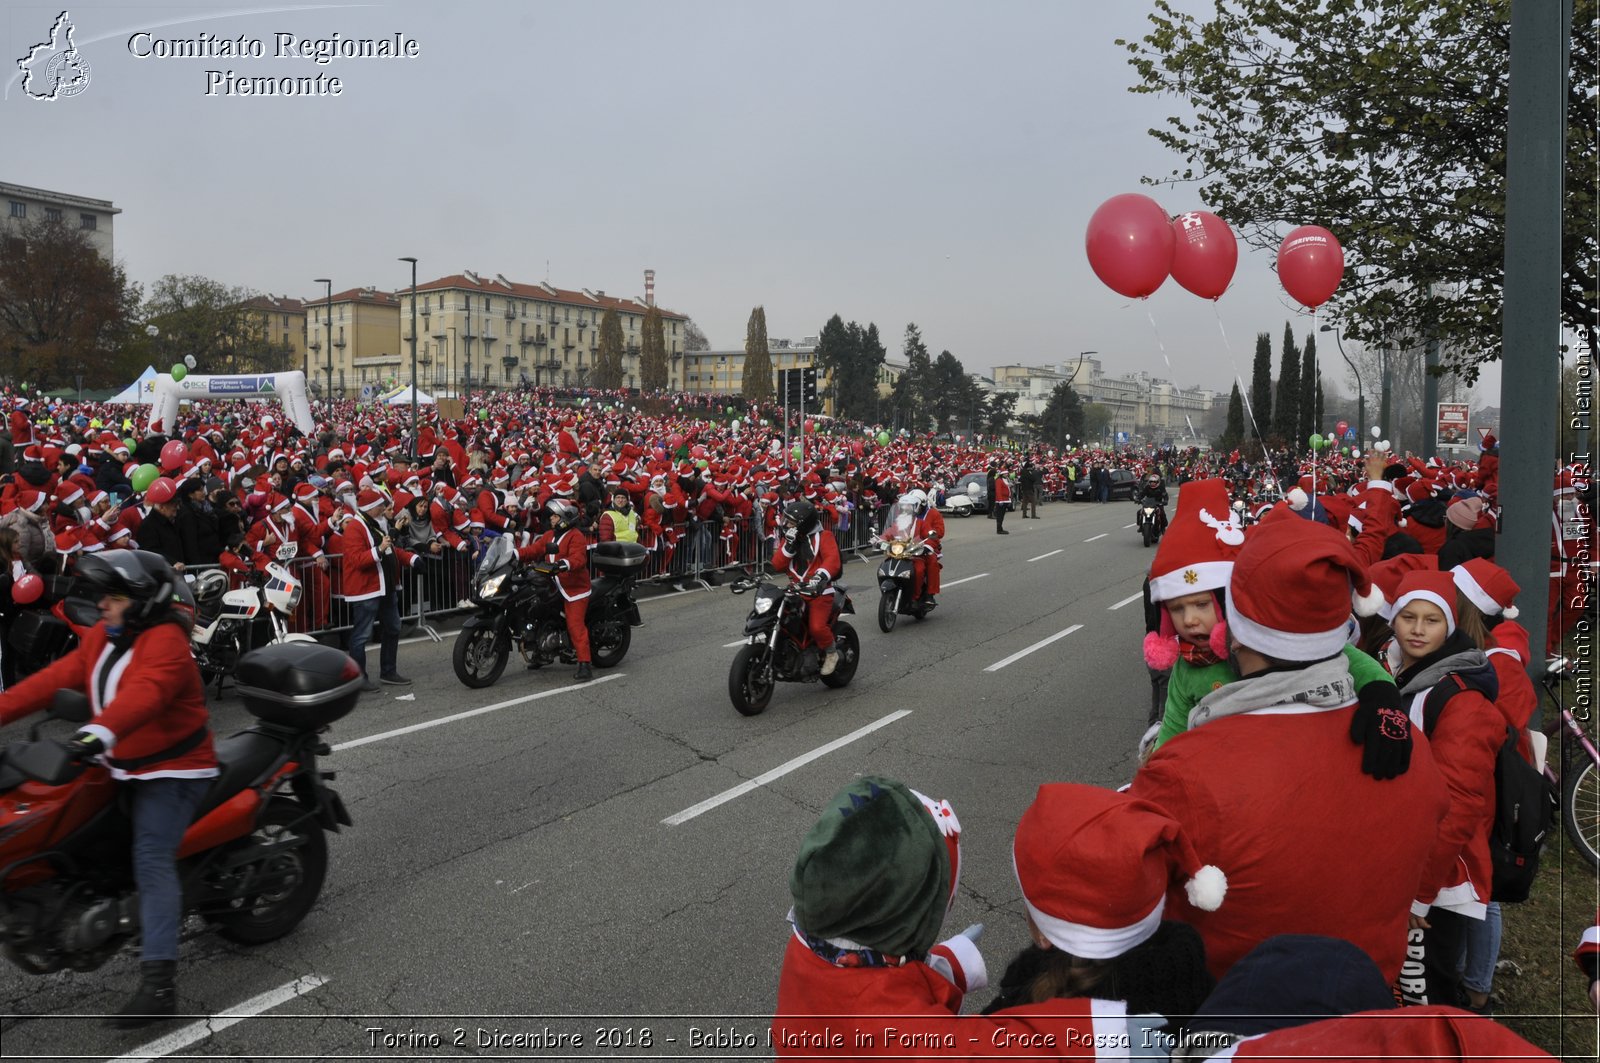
925 572
572 547
823 559
1433 1032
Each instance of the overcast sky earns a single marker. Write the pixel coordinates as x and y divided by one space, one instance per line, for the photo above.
891 161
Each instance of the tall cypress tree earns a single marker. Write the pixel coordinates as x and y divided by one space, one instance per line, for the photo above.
1309 382
1286 402
1233 433
757 381
1261 384
608 359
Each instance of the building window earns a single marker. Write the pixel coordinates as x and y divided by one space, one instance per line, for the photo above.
488 305
88 221
19 210
52 214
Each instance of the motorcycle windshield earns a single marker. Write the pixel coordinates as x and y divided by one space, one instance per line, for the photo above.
497 558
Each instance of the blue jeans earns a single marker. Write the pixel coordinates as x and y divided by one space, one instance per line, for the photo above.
162 811
1482 939
383 610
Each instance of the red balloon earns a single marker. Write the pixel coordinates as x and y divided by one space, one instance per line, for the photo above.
173 454
1341 428
27 590
1130 244
1310 265
1205 254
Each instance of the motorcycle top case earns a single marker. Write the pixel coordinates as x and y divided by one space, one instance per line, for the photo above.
299 684
38 635
619 557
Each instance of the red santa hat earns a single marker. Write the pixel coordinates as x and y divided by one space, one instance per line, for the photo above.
370 500
1487 586
1196 554
1433 587
1291 592
1387 574
1095 866
67 542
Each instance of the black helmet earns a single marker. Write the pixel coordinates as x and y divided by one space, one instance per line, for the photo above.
802 516
145 577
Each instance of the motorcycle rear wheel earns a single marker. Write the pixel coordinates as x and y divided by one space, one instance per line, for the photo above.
848 644
750 693
888 614
609 642
267 917
479 657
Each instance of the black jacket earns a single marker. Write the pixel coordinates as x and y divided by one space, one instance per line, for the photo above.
161 536
108 478
1464 546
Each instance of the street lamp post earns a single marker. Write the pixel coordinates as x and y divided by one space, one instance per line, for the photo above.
1361 396
328 327
413 262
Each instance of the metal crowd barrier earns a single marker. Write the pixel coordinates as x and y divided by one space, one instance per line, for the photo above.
693 552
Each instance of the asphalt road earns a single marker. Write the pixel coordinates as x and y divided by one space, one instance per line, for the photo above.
518 862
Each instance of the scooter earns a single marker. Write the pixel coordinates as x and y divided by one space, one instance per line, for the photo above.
224 618
253 861
519 605
778 646
900 556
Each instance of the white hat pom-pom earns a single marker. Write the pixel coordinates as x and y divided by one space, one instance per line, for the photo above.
1297 499
1371 602
1207 888
1510 612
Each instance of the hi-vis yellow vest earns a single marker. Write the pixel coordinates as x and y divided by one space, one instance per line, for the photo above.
625 526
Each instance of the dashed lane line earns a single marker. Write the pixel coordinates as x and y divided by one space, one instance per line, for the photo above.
182 1038
1041 644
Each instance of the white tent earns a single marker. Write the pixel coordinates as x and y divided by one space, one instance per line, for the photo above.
403 397
142 390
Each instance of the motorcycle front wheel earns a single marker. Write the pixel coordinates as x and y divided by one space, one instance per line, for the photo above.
888 613
750 681
848 644
609 642
300 867
479 656
1149 532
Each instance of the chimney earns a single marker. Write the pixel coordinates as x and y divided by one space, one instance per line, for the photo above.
649 287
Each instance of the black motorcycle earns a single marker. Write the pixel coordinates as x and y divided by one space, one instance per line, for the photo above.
778 646
520 605
1151 520
900 556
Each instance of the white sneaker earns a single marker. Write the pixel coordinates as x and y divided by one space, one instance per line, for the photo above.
465 603
830 660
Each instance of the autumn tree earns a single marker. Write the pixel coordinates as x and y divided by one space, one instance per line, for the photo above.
1386 123
210 320
653 369
65 310
757 382
607 373
693 338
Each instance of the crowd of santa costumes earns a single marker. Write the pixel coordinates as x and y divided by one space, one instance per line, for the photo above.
1163 917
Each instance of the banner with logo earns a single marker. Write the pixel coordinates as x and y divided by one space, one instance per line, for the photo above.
1453 418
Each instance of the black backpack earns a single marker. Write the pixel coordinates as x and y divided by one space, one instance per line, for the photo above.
1526 804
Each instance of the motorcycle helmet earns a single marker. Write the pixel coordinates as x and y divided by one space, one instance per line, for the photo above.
918 499
145 577
563 514
801 516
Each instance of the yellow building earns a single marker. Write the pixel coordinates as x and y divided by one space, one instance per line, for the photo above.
353 342
282 321
494 333
722 372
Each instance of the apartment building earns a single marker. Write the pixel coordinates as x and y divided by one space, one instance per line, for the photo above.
282 321
353 342
92 217
1141 405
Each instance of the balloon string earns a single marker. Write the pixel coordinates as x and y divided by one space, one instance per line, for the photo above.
1244 393
1162 347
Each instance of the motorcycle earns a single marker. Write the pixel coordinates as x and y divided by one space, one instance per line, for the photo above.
251 863
1151 521
519 605
223 618
778 646
900 555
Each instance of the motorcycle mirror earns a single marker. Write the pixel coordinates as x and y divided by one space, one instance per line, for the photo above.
71 706
739 586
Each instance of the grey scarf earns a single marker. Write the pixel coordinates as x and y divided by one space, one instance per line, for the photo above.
1321 686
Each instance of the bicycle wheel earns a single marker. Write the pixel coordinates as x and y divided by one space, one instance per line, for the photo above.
1580 808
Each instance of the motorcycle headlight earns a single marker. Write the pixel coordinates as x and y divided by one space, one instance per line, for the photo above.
491 586
295 596
897 549
764 606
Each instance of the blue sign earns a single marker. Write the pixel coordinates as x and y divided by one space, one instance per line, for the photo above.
1122 437
1349 435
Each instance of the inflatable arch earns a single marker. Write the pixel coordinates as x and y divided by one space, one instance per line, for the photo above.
289 389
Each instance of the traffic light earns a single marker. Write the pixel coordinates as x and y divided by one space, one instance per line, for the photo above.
798 386
808 385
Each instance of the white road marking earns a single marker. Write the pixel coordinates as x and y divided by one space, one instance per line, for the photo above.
1041 644
1041 557
1125 601
1092 538
964 579
781 770
1125 527
196 1031
477 712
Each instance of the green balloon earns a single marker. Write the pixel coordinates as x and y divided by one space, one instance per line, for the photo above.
129 443
883 439
483 415
701 463
796 450
179 371
143 477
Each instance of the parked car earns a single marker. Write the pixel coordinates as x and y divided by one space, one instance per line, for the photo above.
1123 485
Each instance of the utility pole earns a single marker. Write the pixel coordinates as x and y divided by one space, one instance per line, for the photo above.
413 262
328 327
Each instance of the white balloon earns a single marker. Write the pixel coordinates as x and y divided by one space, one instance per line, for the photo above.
1376 431
188 361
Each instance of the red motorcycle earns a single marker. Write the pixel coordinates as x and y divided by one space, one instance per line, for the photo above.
253 861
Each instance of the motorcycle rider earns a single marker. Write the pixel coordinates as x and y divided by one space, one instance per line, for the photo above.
1153 492
811 557
929 528
150 708
568 547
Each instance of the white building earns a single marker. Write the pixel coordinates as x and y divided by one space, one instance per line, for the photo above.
92 217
